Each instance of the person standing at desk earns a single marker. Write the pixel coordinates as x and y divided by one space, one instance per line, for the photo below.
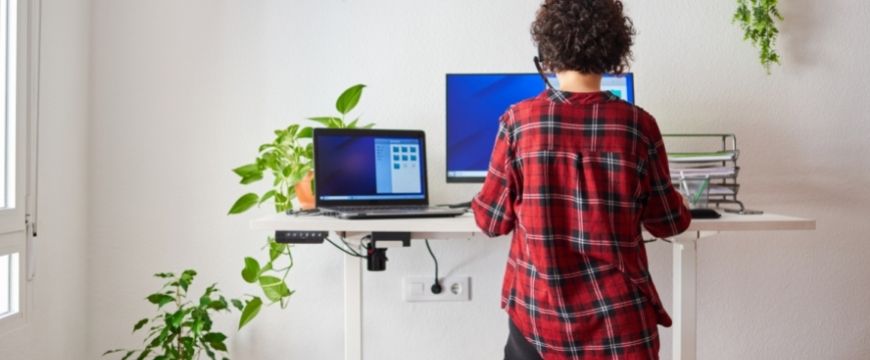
575 173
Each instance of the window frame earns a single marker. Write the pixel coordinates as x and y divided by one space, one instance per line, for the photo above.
16 223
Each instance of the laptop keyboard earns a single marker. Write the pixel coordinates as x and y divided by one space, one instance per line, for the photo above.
378 208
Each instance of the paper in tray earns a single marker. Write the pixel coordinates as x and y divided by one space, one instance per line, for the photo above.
695 157
704 172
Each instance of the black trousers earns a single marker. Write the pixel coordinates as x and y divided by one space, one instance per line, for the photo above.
518 348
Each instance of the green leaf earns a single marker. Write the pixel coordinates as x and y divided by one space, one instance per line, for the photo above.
248 170
250 312
214 337
369 126
274 288
140 324
305 133
251 179
174 320
218 305
275 250
349 99
160 299
309 153
210 290
353 124
197 326
268 195
330 122
237 304
292 129
186 279
113 351
220 346
128 354
267 267
263 148
244 203
166 275
143 355
251 271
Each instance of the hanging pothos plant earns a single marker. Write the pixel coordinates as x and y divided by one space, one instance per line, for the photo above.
289 159
758 20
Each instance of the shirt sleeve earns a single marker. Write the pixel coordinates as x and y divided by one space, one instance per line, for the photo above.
493 207
665 214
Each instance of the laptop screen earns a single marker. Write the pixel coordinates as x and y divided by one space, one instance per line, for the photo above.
369 167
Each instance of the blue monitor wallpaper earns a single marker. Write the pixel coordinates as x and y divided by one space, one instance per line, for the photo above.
476 101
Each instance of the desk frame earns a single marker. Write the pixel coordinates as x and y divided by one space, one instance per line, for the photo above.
685 262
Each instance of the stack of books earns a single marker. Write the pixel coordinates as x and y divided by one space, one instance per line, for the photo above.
714 166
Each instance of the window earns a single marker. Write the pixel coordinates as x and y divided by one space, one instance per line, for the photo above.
9 286
15 96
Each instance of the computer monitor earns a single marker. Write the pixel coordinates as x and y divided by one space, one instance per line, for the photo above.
476 101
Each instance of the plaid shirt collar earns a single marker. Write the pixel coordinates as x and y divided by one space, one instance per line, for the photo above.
566 97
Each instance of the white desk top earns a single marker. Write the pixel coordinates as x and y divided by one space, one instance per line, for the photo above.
465 224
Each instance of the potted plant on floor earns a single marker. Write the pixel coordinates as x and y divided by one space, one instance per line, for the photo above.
182 328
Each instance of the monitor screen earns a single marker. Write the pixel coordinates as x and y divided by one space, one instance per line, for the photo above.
476 101
369 166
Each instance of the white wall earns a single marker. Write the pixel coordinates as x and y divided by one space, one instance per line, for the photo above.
56 328
185 91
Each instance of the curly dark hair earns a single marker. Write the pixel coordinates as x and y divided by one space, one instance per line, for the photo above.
589 36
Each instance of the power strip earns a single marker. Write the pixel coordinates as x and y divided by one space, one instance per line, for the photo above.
300 237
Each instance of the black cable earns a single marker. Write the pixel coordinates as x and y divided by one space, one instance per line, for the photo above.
436 287
349 247
343 250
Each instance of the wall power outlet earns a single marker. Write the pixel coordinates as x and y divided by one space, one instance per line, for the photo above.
419 289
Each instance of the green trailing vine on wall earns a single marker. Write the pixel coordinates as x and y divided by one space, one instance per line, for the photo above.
758 20
287 159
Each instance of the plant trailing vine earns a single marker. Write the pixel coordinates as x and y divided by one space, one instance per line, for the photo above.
758 20
289 159
182 329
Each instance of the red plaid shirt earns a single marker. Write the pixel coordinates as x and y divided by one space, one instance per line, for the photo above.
574 176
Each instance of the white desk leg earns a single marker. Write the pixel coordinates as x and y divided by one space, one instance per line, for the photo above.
685 270
352 308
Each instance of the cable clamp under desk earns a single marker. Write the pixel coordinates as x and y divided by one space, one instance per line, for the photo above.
377 256
381 236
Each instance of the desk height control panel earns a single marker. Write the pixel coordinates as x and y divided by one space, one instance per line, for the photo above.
300 237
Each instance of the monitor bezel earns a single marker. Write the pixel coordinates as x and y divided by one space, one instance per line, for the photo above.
474 180
418 134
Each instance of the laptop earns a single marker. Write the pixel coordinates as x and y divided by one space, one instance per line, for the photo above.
373 174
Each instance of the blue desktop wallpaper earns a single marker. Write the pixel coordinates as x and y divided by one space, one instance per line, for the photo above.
476 101
347 157
474 105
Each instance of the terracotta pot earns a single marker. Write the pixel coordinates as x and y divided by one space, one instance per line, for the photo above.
304 192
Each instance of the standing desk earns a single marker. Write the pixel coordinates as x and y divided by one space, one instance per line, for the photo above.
685 263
